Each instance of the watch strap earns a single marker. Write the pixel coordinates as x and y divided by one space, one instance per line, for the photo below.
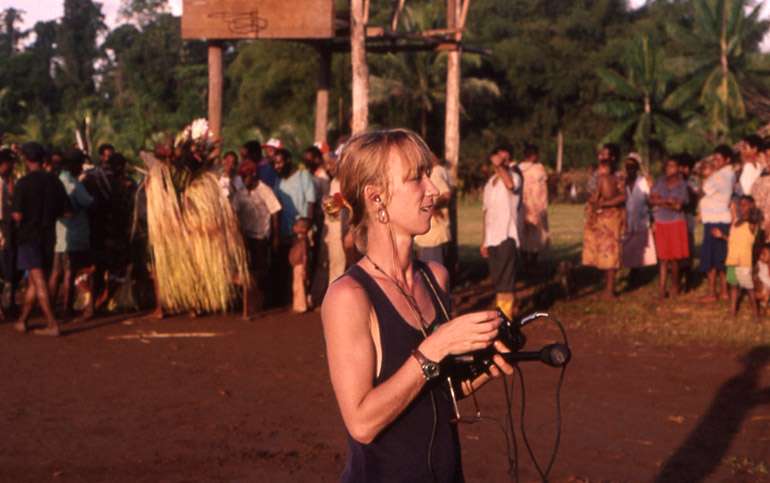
429 367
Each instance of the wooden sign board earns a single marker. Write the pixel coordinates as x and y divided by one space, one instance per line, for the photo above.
258 19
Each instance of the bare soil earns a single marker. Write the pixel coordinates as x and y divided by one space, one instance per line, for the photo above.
221 399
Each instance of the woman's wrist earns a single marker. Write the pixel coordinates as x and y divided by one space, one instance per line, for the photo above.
431 349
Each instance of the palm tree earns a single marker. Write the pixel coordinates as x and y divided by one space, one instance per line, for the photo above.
719 63
418 79
637 98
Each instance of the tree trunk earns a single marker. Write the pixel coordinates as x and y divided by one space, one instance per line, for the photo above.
453 78
559 150
322 94
215 89
360 88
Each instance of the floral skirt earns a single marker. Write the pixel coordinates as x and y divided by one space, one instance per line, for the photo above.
602 237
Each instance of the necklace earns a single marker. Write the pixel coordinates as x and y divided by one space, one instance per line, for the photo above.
410 300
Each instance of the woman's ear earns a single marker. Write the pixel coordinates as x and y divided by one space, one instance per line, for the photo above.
373 194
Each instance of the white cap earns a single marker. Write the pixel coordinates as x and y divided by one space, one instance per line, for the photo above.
273 143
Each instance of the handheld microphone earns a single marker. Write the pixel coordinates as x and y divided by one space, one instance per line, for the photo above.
554 355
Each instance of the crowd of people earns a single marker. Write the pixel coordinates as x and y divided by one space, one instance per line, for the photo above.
633 221
72 226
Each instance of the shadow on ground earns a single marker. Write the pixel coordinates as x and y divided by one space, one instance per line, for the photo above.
707 445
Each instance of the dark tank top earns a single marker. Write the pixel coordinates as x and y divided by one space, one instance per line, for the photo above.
400 453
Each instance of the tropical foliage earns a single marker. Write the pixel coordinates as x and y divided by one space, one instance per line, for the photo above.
673 75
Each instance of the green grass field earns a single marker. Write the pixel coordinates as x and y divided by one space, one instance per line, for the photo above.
638 314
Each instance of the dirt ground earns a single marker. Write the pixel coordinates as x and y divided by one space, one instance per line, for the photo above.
221 399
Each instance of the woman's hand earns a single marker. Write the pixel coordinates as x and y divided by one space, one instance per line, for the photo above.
500 366
467 333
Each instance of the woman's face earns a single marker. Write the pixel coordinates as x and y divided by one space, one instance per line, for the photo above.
410 204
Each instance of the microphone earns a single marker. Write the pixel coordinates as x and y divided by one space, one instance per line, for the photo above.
554 355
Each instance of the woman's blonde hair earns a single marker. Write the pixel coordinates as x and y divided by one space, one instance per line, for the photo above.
364 161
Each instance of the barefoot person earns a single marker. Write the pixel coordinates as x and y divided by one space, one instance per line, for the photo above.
605 219
38 200
638 242
668 198
740 244
380 319
715 213
72 252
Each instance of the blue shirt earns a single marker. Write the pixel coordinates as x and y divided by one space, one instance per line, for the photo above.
294 193
677 192
73 234
267 173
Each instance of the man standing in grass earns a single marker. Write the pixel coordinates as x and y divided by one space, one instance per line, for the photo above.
38 200
500 245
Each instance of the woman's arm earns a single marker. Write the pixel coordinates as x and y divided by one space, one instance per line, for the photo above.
495 370
367 410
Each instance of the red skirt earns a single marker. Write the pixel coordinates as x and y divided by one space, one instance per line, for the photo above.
671 240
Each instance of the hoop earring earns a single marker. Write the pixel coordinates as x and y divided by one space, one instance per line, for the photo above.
382 216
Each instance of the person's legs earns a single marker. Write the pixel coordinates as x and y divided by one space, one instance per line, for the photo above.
754 304
723 291
54 278
502 271
675 279
26 308
711 276
609 283
67 281
734 300
38 281
662 275
299 296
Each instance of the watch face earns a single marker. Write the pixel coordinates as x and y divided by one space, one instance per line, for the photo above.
431 370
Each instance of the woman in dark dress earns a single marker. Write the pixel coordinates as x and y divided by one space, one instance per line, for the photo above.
380 319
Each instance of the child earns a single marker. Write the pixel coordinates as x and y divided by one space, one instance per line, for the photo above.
298 261
740 243
763 276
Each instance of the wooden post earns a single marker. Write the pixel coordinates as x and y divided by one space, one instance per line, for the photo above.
559 150
360 88
452 121
322 93
215 88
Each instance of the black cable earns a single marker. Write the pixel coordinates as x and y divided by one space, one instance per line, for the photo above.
513 463
432 436
557 442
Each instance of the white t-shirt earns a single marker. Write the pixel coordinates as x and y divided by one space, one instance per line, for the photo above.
254 209
717 192
501 210
749 174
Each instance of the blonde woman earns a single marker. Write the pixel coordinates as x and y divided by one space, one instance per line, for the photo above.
384 344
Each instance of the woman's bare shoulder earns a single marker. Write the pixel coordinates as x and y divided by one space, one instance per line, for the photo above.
346 298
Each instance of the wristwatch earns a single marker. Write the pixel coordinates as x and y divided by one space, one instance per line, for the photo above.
430 369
